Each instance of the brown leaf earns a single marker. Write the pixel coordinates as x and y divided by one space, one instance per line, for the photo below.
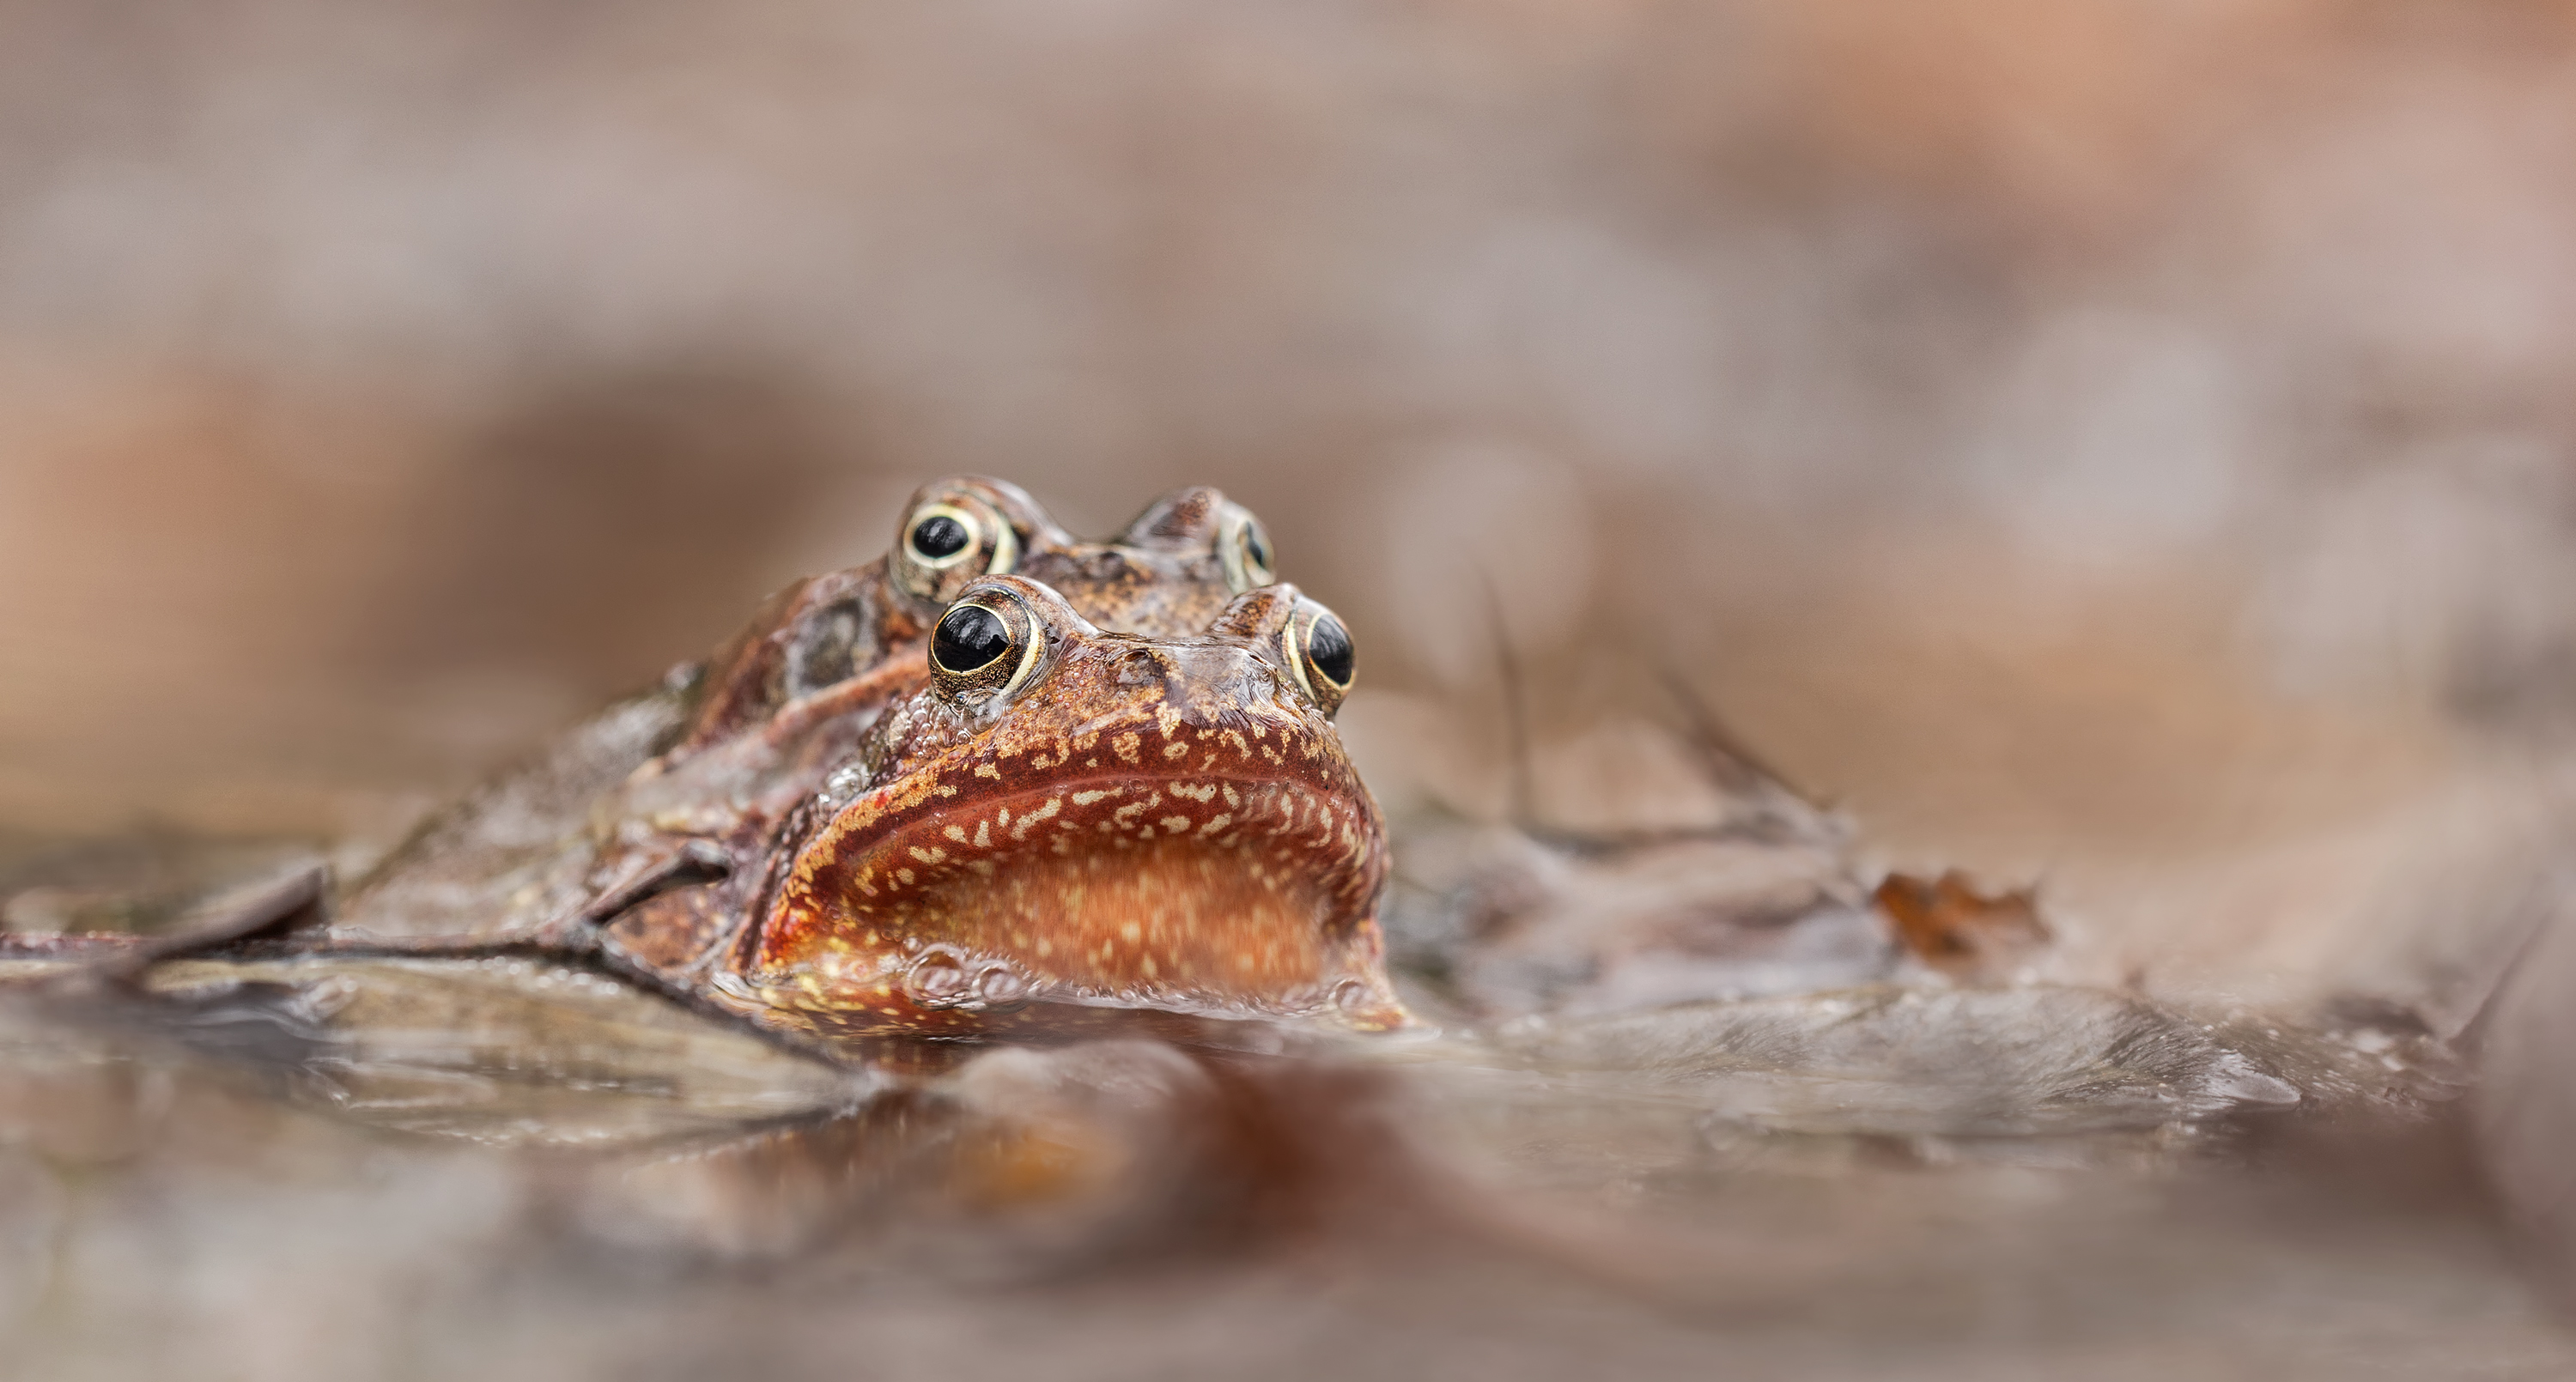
1949 925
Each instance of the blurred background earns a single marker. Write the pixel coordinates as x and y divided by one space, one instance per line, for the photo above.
2125 446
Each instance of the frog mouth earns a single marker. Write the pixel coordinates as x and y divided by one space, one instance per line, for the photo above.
1216 895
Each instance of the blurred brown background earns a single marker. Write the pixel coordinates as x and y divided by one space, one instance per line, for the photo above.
2121 444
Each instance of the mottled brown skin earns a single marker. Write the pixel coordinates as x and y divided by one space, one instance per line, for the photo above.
693 778
853 638
830 840
1140 823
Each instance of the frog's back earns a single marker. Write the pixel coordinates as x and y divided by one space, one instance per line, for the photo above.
520 849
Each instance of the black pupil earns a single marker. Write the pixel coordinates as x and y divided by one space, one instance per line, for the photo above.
938 536
969 636
1256 547
1328 647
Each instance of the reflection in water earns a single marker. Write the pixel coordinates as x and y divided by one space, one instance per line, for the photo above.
1757 1179
1700 1086
2116 448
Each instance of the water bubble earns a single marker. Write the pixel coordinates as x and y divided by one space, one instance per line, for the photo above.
1352 995
937 979
1001 985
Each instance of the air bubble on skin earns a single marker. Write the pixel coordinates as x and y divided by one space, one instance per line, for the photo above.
1351 995
937 979
844 784
1001 985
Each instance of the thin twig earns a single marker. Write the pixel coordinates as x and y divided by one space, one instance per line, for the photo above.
1522 802
1728 758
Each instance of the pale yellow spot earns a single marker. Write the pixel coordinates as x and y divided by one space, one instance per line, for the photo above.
988 770
1176 824
954 832
1086 798
1021 831
930 856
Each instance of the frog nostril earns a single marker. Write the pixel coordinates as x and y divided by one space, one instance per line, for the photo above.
969 637
1139 668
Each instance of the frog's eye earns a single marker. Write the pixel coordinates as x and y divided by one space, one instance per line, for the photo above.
940 538
1244 547
943 545
984 648
1319 654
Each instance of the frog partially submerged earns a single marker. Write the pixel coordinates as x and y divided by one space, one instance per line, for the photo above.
1000 775
1005 781
686 781
1068 817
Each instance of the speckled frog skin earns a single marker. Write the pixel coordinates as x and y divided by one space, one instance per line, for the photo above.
1083 819
687 779
719 837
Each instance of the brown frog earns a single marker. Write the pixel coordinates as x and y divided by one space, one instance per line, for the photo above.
685 781
922 797
1064 819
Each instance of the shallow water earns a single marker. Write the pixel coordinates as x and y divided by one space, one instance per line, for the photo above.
502 1169
2118 447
